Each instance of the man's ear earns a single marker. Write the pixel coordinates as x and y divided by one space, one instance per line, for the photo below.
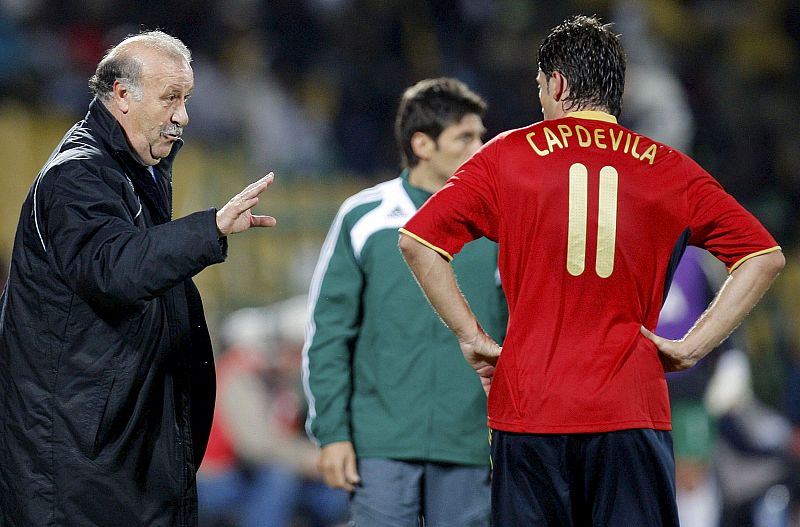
120 97
559 86
422 145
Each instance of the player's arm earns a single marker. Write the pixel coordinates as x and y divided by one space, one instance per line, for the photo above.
437 280
735 299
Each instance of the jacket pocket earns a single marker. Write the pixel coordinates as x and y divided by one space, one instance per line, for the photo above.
100 413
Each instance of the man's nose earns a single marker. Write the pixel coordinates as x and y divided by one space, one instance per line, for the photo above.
181 115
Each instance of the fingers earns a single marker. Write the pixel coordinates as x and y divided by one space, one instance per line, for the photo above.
235 217
669 352
254 189
351 472
482 348
489 350
486 383
248 198
329 470
337 463
485 373
333 475
487 386
263 221
667 363
242 204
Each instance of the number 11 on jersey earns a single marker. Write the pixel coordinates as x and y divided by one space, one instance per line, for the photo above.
606 220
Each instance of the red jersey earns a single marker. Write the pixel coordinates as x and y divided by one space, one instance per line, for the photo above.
590 219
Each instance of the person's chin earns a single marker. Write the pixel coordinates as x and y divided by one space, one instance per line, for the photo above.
161 152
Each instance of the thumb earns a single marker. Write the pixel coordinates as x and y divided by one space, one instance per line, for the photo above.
647 333
494 350
652 337
262 221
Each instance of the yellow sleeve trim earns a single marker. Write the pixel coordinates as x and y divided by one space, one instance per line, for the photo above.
428 244
759 253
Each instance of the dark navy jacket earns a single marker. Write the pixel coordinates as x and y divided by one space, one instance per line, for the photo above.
106 372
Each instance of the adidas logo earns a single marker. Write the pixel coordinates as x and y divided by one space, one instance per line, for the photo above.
396 212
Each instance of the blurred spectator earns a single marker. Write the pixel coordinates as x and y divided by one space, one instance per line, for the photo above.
774 344
260 469
751 458
655 103
276 129
327 67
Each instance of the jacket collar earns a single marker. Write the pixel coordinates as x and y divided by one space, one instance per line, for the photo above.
157 194
110 131
418 196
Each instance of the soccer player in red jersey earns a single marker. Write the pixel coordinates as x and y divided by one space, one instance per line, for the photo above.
591 220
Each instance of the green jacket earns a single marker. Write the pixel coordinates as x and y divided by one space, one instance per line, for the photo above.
379 367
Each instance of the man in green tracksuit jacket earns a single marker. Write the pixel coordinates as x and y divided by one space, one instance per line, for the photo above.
398 414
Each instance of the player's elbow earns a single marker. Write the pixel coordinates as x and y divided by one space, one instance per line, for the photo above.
775 263
768 265
407 246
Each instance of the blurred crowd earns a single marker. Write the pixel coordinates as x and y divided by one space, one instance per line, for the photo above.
260 468
309 88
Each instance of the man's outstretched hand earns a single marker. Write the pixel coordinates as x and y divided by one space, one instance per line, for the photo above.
235 216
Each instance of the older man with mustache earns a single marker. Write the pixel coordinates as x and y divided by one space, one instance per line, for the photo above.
106 371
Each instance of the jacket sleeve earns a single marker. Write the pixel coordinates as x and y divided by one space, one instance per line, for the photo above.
104 257
334 324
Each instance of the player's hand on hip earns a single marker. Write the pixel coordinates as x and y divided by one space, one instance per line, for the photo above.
673 353
337 463
236 215
482 353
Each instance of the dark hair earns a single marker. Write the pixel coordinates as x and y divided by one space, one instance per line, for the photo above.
119 63
430 106
590 56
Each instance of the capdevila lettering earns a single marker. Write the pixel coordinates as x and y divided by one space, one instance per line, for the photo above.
548 141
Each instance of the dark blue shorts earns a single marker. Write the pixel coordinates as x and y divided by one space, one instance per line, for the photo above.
617 479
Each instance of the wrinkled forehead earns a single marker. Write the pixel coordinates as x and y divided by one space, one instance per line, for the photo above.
162 68
158 59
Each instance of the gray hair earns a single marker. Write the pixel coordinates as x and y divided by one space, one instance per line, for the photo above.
120 64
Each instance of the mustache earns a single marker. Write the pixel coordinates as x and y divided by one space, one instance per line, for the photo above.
174 130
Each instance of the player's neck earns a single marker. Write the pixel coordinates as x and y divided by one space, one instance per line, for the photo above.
422 177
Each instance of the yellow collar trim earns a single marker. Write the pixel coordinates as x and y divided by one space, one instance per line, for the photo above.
594 115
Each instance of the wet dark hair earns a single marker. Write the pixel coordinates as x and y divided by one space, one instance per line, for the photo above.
430 106
590 56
